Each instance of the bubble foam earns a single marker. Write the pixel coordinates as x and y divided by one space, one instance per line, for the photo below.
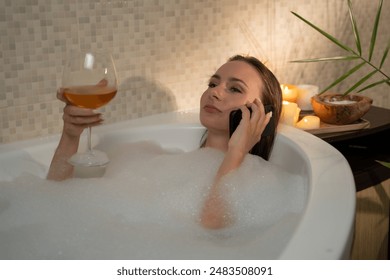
147 206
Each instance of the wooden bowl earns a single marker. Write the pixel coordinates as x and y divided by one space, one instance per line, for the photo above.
337 109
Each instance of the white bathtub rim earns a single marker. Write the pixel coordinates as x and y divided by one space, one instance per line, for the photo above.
333 247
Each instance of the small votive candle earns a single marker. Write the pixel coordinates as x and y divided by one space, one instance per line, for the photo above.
305 93
290 113
289 92
309 122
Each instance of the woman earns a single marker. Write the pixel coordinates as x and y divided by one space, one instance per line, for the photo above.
240 83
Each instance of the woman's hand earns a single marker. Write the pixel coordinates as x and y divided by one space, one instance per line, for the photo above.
249 131
77 119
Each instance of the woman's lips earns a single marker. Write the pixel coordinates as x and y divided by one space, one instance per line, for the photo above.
211 109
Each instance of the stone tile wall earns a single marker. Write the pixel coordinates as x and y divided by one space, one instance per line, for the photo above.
164 50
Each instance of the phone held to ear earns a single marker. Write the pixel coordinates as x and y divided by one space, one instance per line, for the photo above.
236 116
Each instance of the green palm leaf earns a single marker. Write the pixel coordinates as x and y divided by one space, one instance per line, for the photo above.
353 55
327 35
361 81
348 57
375 30
374 84
385 55
354 27
343 77
387 164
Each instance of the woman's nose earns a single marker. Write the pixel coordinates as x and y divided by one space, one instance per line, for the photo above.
216 93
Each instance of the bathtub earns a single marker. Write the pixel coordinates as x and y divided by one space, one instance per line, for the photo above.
323 230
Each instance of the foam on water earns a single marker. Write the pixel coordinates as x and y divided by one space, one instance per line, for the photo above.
147 206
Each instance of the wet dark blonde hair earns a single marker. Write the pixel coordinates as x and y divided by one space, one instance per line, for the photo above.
271 95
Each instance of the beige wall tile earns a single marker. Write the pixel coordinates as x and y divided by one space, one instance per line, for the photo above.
165 50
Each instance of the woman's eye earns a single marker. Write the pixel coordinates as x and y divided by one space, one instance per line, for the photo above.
235 90
212 85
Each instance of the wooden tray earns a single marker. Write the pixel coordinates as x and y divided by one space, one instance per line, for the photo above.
331 128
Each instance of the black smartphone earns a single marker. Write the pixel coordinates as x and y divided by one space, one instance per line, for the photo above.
236 116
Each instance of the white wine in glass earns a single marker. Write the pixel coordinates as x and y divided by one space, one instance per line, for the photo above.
89 81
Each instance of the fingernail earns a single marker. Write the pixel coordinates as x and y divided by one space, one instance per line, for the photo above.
269 114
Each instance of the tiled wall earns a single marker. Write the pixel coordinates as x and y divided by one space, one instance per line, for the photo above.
165 50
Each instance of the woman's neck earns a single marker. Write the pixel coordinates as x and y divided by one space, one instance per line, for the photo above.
217 141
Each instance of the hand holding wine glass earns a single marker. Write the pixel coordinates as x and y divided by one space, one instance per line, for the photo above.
89 81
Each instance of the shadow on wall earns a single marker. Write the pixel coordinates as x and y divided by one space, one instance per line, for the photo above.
139 96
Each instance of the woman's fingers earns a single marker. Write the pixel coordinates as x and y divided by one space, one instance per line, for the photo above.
80 116
259 119
82 120
246 114
251 127
257 114
77 111
77 119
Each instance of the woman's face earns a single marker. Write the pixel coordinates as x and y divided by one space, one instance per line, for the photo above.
235 83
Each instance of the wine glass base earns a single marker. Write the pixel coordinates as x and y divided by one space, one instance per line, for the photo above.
89 159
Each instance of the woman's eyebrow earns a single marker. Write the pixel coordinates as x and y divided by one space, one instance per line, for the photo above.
238 80
215 76
233 79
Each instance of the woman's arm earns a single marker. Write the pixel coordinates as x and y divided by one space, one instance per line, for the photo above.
75 121
215 213
60 169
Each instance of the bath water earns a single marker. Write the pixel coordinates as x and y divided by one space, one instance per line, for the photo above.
147 206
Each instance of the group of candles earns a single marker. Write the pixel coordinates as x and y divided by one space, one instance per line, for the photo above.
295 99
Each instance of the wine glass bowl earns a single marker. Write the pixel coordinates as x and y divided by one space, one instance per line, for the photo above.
92 96
89 80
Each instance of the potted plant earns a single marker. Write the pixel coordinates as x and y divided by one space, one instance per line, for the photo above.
348 107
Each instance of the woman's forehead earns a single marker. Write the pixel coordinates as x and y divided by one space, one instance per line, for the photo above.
240 70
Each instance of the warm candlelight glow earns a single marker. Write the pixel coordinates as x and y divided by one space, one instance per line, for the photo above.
290 113
309 122
305 93
289 92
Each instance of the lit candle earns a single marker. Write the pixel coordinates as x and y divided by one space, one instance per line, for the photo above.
290 113
305 93
309 122
289 92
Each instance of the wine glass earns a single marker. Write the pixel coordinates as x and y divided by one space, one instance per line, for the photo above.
89 81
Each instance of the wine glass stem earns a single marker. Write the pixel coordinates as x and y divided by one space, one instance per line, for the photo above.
89 140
